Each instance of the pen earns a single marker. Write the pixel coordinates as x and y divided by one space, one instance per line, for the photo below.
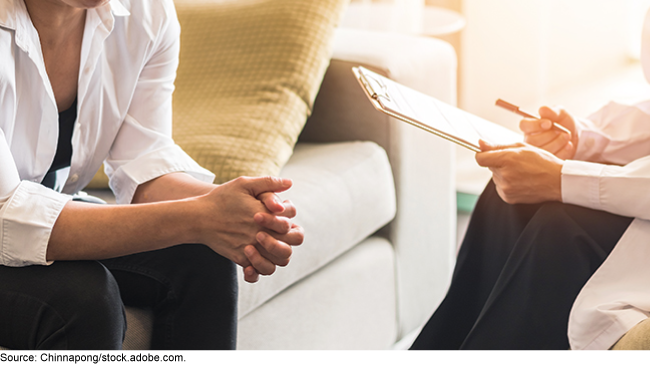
513 108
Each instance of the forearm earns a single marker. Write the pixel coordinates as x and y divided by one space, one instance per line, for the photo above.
87 231
173 186
229 219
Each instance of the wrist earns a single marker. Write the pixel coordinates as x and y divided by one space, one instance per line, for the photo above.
188 219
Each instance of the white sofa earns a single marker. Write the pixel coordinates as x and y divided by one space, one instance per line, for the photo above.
377 201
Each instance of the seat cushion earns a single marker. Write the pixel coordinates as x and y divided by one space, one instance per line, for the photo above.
348 304
343 192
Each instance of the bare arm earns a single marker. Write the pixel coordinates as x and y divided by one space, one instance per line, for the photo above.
88 231
169 187
228 218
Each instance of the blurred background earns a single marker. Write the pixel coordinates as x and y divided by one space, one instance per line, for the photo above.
577 53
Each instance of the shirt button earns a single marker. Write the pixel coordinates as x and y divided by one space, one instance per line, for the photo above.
73 178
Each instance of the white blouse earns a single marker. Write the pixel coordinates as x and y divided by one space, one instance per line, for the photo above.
129 57
617 296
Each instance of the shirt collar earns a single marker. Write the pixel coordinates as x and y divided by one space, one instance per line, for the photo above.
118 9
8 12
11 10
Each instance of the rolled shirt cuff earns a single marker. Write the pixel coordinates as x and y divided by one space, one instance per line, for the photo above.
581 183
26 222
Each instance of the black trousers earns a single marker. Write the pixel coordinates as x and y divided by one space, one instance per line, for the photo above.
519 270
191 290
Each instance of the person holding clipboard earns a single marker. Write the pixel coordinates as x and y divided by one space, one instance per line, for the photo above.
528 253
556 253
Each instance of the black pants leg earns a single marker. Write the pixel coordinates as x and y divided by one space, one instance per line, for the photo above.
68 305
79 305
191 290
518 272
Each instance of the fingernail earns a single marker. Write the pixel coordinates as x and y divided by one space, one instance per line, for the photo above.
546 125
261 236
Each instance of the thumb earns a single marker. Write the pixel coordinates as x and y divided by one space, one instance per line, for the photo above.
487 146
257 186
492 156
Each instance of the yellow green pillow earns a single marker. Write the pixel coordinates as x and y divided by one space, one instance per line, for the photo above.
248 76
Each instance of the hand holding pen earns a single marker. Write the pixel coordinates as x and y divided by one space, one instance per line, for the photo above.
554 130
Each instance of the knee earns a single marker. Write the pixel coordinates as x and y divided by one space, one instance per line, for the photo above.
201 270
556 235
98 292
550 214
200 261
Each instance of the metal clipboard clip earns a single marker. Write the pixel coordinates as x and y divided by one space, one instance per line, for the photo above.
376 88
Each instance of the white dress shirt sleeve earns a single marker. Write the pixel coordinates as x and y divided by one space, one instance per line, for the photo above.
621 190
28 212
615 134
144 149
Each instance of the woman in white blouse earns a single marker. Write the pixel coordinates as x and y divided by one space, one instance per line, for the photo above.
89 81
557 253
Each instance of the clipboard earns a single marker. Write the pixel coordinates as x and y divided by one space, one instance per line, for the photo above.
430 114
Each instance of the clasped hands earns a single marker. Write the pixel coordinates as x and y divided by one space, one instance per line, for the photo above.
531 172
248 224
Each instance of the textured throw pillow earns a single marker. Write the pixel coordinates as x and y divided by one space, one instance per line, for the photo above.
248 76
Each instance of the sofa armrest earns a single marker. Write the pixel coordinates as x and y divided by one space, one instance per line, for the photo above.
424 229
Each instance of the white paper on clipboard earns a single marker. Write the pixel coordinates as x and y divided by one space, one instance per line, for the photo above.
430 114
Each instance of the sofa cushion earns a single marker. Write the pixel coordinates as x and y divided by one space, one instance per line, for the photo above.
248 76
348 304
343 192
